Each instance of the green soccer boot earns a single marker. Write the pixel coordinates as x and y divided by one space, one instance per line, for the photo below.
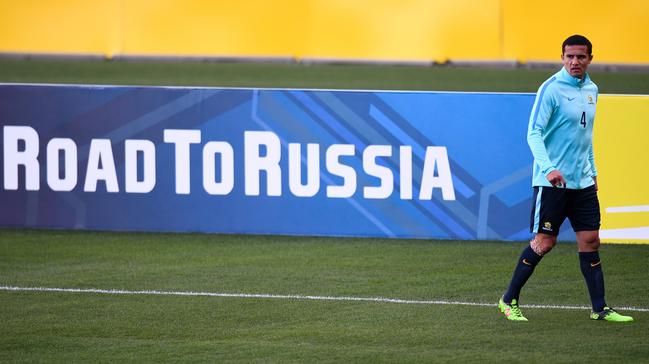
609 314
511 311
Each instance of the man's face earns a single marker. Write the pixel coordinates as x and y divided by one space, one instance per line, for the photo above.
576 59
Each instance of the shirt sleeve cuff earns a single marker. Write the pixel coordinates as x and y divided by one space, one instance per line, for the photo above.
548 170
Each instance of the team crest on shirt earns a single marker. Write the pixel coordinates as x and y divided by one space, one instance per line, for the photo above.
590 100
547 226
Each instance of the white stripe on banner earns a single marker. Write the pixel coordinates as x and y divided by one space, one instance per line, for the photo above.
292 297
636 233
638 208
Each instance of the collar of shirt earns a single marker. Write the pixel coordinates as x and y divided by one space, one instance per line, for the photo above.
575 81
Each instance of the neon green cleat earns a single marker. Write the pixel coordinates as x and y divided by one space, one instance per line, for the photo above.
609 314
511 311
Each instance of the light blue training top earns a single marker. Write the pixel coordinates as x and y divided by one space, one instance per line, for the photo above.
560 130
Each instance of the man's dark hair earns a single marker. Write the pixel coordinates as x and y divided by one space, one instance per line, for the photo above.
577 40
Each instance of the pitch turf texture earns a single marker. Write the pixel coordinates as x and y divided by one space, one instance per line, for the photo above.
38 326
85 327
304 76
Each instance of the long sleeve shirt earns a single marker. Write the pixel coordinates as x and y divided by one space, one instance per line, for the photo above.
560 130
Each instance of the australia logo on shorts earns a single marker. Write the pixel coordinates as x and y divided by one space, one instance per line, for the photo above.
547 226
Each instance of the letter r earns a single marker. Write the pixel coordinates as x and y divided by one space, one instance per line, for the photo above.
13 157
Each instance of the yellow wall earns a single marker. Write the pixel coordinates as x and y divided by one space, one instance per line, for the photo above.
380 29
622 157
403 29
70 26
224 28
618 29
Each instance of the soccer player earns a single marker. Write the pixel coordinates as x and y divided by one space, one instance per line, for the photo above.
560 134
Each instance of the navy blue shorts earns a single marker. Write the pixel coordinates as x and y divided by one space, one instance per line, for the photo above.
551 206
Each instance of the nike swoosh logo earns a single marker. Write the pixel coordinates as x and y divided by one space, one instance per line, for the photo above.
526 262
595 264
570 99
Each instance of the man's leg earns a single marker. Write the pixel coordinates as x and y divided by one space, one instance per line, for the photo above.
585 219
530 257
591 267
546 217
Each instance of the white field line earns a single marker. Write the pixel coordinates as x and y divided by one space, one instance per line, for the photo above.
291 297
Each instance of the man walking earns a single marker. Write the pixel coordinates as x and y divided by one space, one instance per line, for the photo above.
560 133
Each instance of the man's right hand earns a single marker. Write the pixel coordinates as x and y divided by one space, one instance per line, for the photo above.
556 178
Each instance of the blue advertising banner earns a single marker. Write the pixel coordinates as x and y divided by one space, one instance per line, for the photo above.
265 161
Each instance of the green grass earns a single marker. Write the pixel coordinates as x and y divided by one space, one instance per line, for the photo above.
83 327
302 76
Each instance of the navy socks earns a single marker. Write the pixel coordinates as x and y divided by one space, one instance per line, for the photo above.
591 268
524 269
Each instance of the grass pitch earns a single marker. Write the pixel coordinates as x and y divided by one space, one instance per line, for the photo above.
82 327
367 77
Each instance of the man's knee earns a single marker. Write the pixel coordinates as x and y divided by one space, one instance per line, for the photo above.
588 240
594 243
542 244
